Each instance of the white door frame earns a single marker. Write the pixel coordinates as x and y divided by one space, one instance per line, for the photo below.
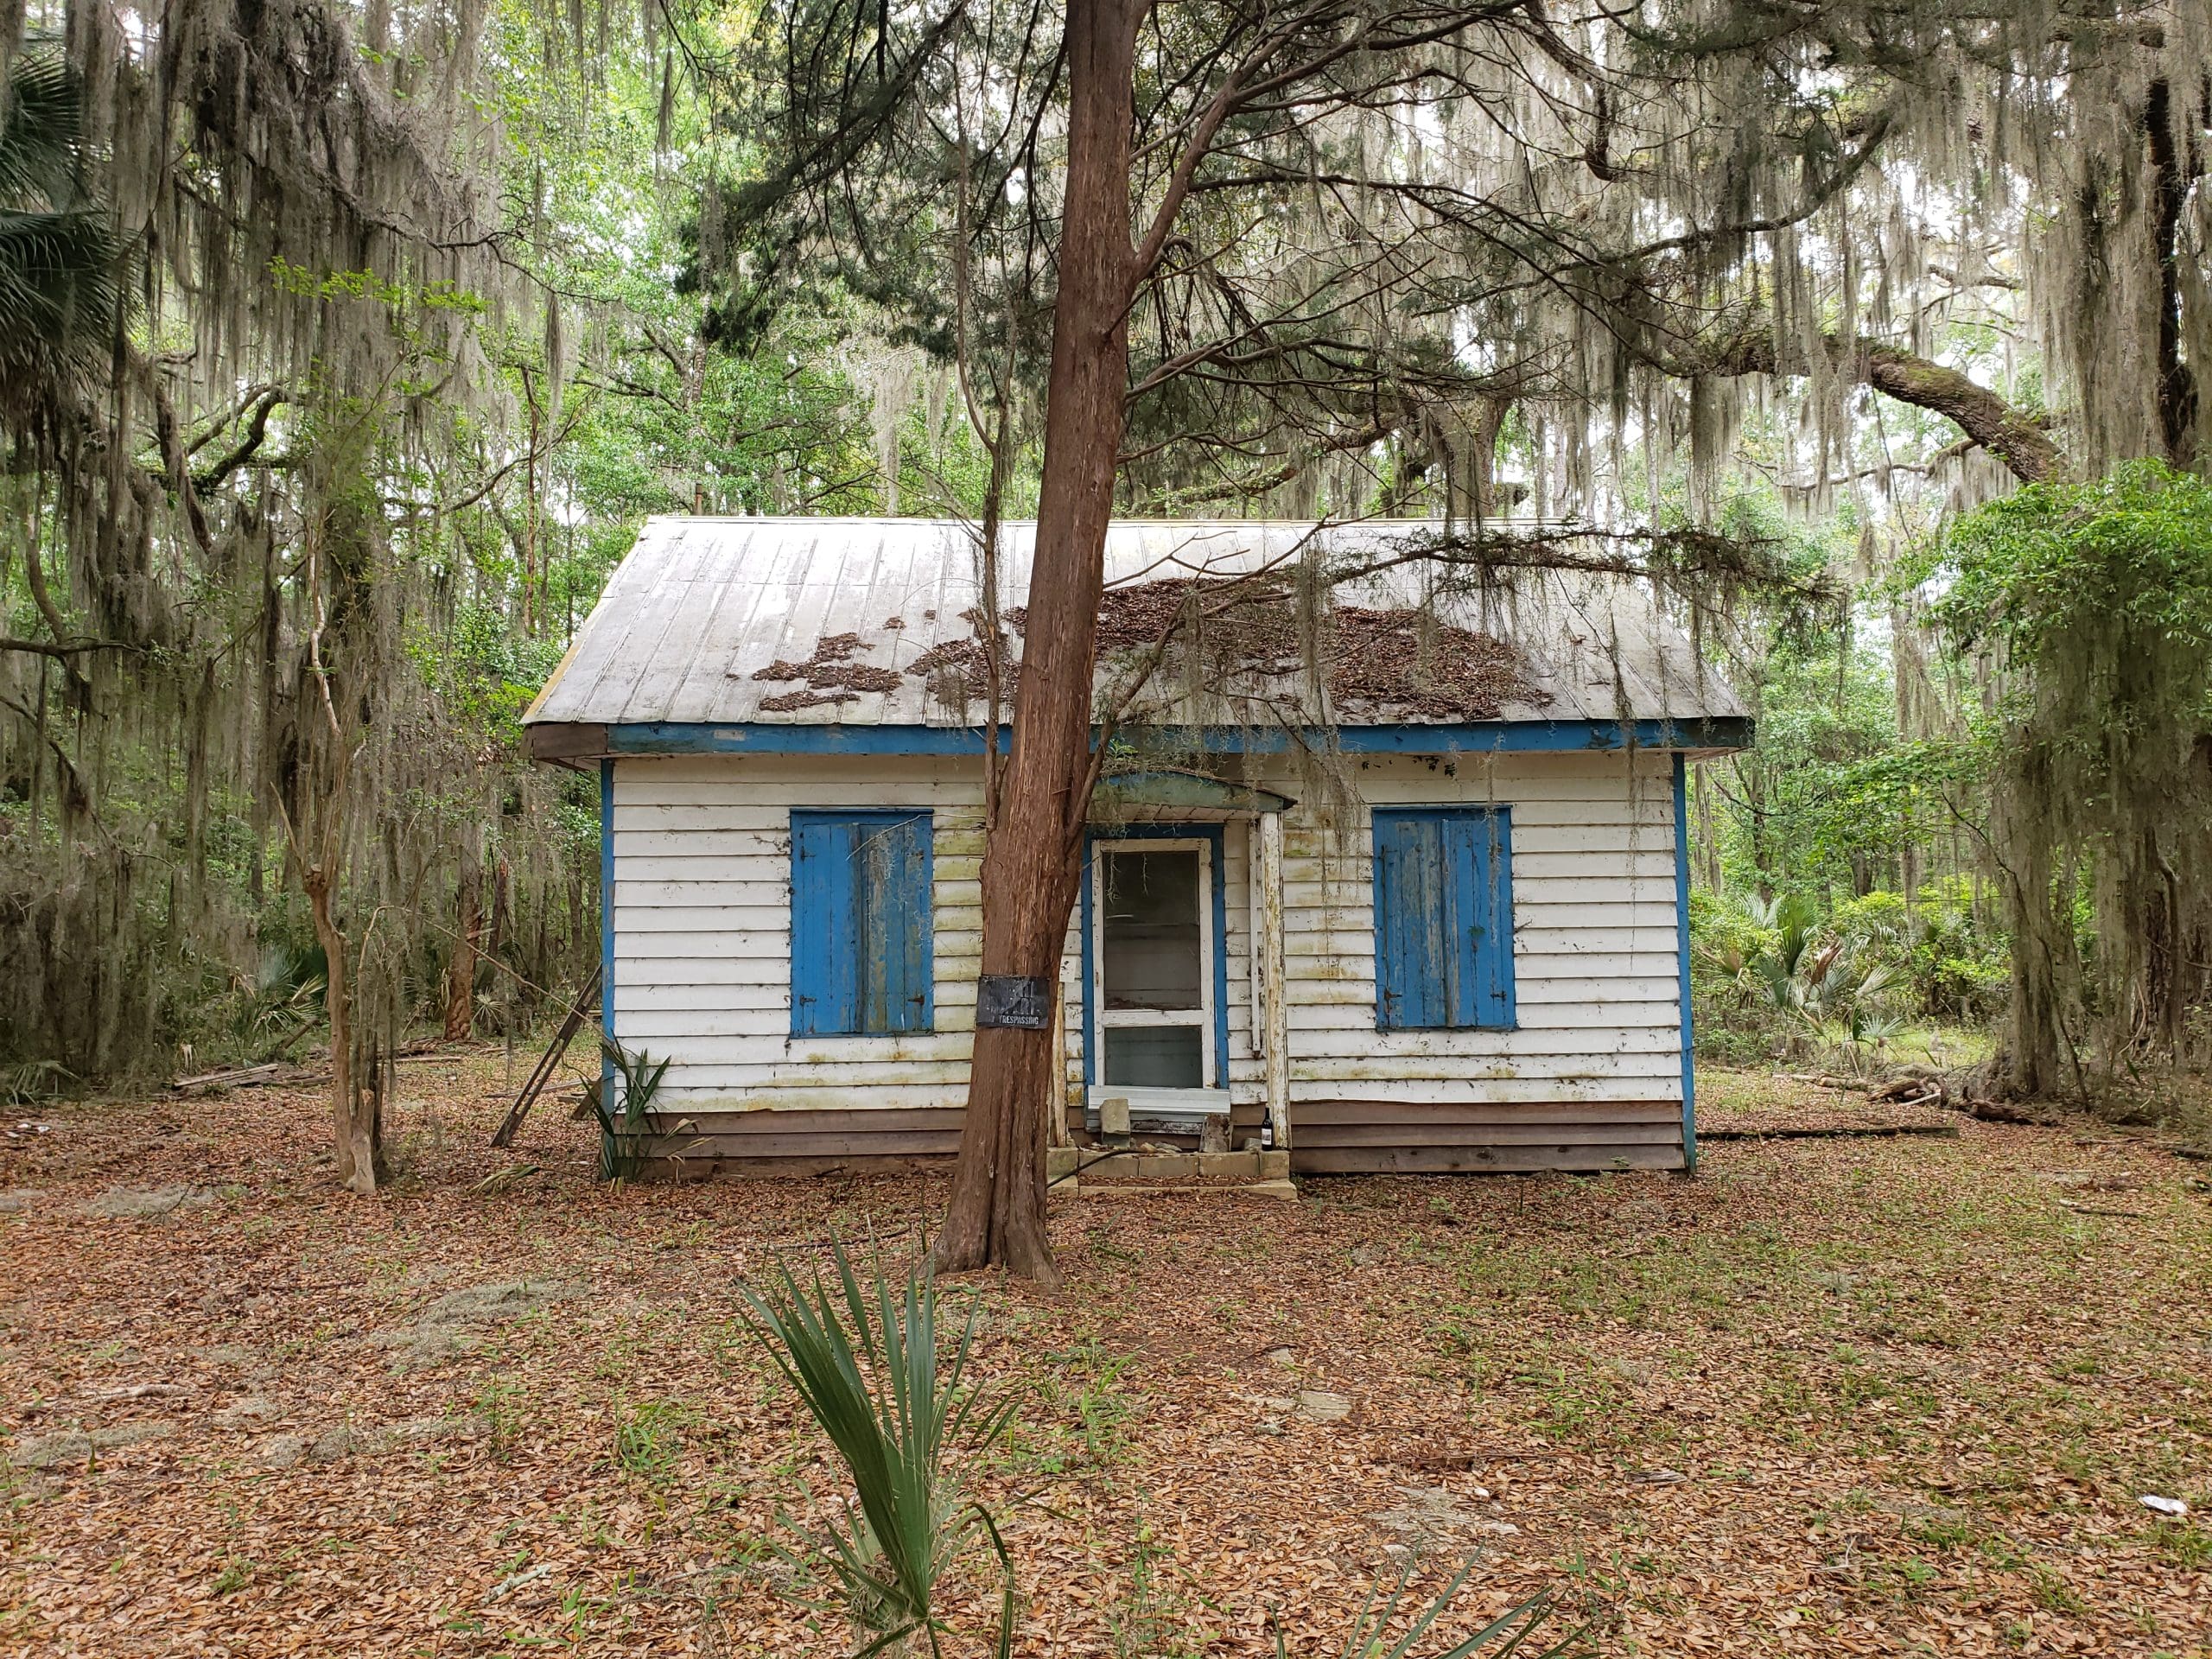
1194 1103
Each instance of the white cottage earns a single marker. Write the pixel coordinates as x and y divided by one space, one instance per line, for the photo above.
1417 897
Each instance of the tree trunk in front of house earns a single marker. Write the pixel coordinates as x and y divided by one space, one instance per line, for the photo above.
1032 857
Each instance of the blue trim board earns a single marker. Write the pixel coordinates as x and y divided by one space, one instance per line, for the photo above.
1487 737
1682 951
607 931
677 737
1217 836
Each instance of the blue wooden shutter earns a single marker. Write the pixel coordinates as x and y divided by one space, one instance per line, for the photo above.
894 909
1410 953
1482 915
1443 918
862 961
821 952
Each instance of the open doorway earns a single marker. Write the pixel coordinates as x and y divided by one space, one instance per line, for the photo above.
1154 960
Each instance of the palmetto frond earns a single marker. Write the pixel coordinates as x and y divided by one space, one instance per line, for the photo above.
867 1366
60 255
42 136
58 290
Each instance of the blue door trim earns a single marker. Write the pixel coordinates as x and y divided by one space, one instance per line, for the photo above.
1682 953
1217 836
1482 737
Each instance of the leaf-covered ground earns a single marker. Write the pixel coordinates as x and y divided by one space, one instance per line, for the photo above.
1836 1396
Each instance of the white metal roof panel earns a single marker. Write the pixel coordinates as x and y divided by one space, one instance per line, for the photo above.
701 606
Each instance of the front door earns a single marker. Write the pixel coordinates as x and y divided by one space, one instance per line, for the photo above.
1152 975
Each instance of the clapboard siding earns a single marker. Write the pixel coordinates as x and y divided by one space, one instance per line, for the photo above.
1324 1010
1318 1120
702 934
1501 1135
1345 885
1409 1136
702 969
1632 982
1481 1160
1593 892
754 889
1332 1137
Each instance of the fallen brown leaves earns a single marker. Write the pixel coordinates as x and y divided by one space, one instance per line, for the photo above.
1398 661
1836 1396
832 675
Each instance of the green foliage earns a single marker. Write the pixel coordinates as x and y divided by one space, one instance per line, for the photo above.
1511 1632
474 434
2048 570
1831 792
286 996
486 670
59 259
2091 605
33 1080
1772 975
1950 963
1083 1409
1856 818
1867 779
1776 953
648 1436
871 1371
625 1125
867 1368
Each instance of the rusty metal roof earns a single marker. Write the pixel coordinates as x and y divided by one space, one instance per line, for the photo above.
695 620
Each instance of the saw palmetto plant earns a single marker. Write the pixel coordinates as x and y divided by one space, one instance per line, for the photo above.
626 1124
1511 1632
868 1367
875 1370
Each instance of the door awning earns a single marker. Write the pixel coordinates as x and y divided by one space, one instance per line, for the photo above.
1175 796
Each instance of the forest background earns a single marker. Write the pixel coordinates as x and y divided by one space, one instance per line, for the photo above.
346 347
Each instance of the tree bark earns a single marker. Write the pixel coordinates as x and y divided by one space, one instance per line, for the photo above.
2013 437
356 1134
460 970
2174 171
2031 1065
1474 482
1906 672
78 688
1032 857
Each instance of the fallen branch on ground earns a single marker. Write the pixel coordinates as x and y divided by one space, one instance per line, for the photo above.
1912 1091
240 1078
1939 1131
2004 1111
